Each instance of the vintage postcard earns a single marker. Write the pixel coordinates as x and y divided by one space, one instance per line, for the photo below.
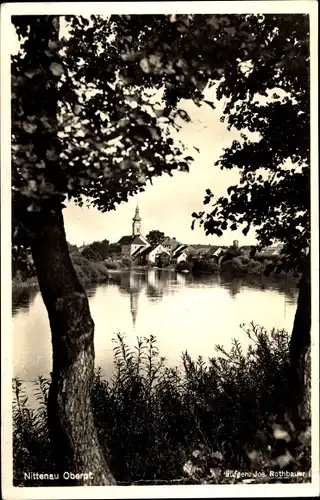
159 258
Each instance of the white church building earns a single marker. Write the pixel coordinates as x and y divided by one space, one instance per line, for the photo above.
137 246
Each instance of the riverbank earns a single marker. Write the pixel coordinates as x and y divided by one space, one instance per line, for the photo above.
98 273
161 425
236 267
19 286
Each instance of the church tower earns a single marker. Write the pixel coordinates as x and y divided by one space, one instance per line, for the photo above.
136 224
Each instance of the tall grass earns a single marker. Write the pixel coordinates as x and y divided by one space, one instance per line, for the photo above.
160 424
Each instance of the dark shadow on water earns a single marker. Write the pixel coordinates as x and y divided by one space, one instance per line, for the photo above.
23 298
285 286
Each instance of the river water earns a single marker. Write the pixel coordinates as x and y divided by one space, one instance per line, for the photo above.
183 312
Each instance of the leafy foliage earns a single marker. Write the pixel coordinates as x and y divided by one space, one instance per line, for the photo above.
22 263
31 445
78 131
271 102
155 237
112 135
86 124
227 413
163 260
203 266
259 65
97 251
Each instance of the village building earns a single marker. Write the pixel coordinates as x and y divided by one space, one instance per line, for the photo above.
171 244
135 243
180 254
137 247
204 251
151 254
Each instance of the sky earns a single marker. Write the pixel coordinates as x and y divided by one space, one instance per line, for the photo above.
167 205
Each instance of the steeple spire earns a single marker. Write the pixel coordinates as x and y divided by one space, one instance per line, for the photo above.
136 225
137 215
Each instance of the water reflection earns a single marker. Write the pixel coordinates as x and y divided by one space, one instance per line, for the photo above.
157 283
183 312
22 298
286 286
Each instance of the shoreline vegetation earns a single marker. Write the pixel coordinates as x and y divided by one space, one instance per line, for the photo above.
100 271
200 424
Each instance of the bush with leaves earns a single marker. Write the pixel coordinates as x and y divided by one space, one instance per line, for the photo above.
22 264
31 446
203 266
113 263
184 265
241 266
126 262
163 260
162 424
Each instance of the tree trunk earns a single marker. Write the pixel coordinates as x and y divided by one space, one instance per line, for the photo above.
71 423
300 347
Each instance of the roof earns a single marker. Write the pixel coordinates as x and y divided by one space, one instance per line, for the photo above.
148 250
131 240
172 242
213 250
137 215
265 252
125 240
138 241
180 252
178 249
207 250
189 249
137 251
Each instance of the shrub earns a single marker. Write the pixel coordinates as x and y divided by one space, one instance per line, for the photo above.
91 254
113 264
202 266
183 266
244 259
242 265
162 424
88 271
255 267
163 260
98 271
234 266
126 262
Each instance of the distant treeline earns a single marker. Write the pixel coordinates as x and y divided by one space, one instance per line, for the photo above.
93 261
100 250
88 265
241 265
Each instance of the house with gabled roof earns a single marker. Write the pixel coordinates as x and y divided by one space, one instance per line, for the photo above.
179 254
152 253
171 244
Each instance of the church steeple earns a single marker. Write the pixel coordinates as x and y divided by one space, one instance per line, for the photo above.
136 224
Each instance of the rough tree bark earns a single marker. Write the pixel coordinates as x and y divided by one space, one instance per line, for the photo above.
35 96
300 348
71 424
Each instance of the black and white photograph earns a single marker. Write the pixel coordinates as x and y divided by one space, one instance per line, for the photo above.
159 187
